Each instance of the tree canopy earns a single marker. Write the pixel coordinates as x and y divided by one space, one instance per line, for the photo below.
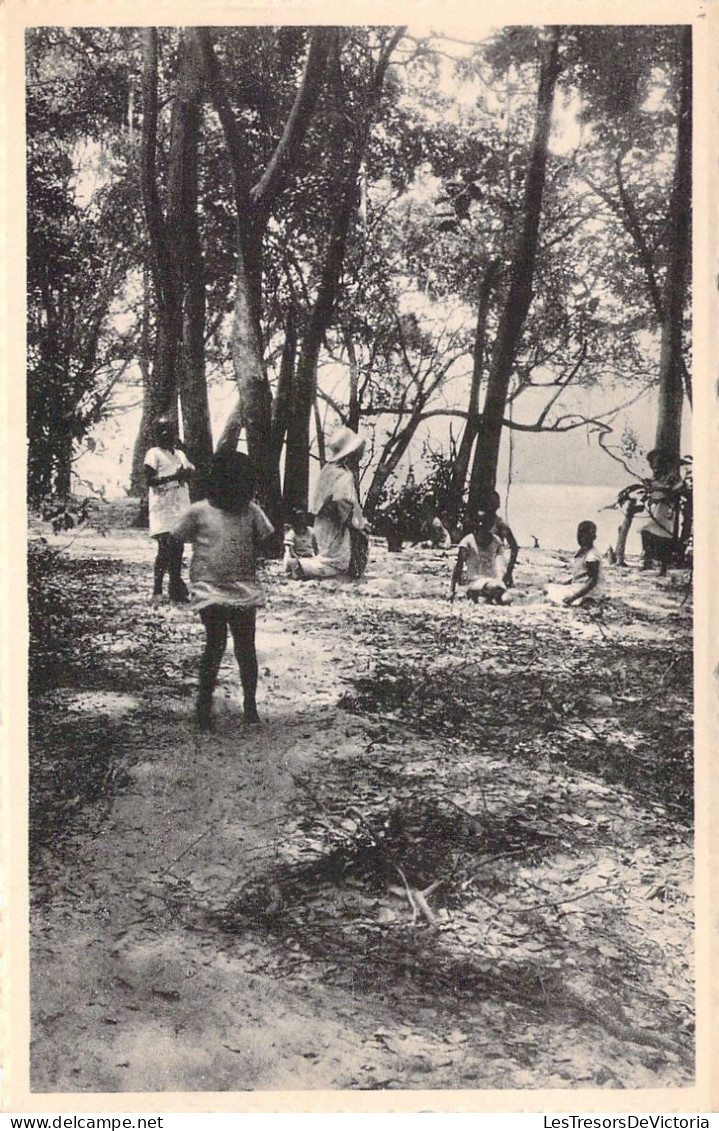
356 225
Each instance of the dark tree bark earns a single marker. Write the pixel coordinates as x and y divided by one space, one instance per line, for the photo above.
390 461
183 222
297 454
519 292
671 362
285 387
254 206
138 487
353 413
471 428
166 277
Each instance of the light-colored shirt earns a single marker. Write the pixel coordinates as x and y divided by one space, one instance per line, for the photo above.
336 508
580 574
303 544
662 508
167 501
223 570
482 561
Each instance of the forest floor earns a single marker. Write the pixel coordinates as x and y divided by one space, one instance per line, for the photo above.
457 853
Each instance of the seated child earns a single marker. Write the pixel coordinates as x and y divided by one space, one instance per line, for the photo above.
433 532
227 530
504 533
300 541
481 552
586 586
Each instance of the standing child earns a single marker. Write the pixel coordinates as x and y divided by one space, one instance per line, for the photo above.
227 530
167 471
481 553
586 586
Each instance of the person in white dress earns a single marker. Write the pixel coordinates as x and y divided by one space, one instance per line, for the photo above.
167 473
338 515
586 587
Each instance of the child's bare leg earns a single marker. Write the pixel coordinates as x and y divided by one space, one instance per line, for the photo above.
178 589
215 622
242 626
162 563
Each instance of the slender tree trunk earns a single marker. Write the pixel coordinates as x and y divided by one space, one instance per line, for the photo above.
166 278
620 551
353 415
390 459
519 294
471 429
671 363
138 487
285 387
321 447
297 456
254 206
182 220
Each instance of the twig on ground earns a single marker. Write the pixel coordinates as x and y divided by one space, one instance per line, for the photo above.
425 908
408 891
667 670
189 848
571 898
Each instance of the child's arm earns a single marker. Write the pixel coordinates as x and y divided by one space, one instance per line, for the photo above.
593 578
457 575
513 555
153 479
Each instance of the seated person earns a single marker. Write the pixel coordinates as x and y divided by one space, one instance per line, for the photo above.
586 586
481 553
504 533
659 541
433 533
299 541
340 526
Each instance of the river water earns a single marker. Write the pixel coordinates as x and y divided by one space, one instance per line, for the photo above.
552 512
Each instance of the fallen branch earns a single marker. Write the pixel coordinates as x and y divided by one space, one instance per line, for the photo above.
407 891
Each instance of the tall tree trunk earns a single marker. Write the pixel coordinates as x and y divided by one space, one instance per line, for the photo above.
620 552
519 294
297 455
390 459
162 392
285 387
671 362
254 206
297 459
471 429
353 414
138 487
182 221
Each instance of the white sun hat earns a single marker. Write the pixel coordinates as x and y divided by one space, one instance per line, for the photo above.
342 443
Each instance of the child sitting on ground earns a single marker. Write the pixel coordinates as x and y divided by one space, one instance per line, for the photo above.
586 586
227 530
300 541
505 535
481 553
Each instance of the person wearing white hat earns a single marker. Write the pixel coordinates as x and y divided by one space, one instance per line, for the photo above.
339 522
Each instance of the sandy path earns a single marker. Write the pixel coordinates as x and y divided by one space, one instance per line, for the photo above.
135 986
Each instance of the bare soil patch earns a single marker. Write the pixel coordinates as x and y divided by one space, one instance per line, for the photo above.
456 854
